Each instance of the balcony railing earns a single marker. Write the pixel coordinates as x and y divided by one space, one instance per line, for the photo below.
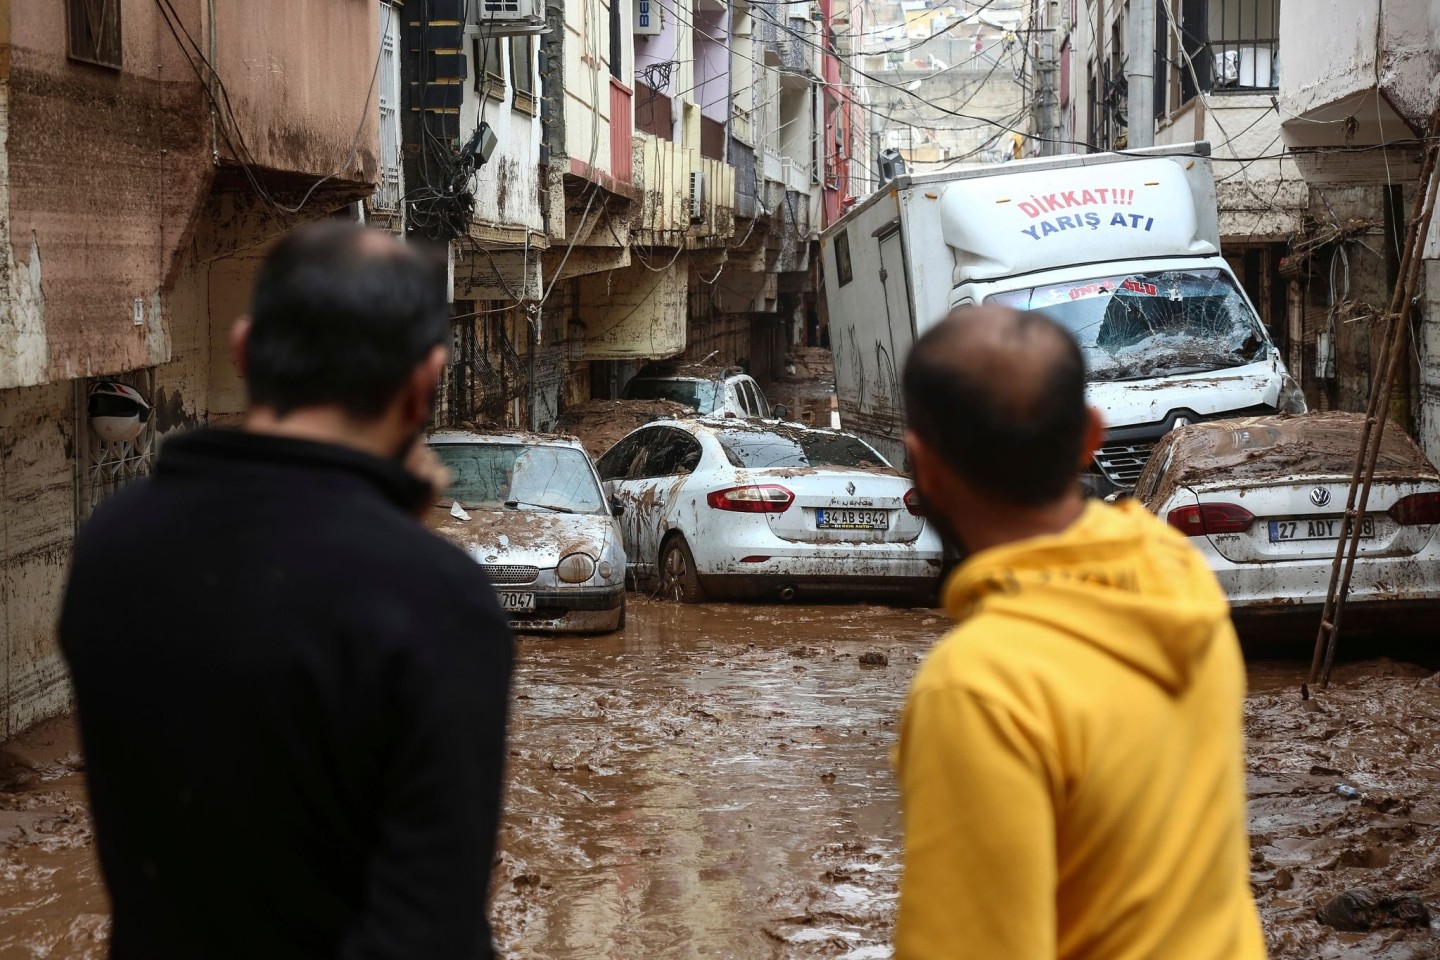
621 139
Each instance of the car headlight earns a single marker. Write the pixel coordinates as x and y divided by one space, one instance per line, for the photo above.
576 568
606 570
1291 398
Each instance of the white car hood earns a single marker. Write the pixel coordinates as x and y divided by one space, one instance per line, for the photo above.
530 537
1128 402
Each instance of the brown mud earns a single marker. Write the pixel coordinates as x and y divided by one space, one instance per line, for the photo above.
600 423
715 782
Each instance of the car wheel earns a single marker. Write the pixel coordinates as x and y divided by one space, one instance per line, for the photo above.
678 579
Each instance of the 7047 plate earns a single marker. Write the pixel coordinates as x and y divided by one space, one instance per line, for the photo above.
510 601
852 519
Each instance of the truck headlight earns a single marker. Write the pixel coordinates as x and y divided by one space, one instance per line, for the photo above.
1291 398
576 568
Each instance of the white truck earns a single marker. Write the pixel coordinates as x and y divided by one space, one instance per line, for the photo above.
1122 249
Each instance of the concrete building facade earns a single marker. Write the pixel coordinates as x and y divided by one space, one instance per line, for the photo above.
148 154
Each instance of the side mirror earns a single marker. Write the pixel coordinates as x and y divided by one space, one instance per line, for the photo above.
780 412
616 507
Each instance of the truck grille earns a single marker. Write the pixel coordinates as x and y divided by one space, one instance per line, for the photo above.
1122 463
511 575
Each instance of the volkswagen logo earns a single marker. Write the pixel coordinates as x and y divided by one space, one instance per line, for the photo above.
1319 496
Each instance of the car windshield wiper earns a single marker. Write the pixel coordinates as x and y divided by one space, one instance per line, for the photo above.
516 504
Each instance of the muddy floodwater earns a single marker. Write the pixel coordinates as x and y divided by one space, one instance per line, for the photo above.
715 782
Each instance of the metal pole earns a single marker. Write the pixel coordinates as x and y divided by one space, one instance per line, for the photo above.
1140 75
1373 430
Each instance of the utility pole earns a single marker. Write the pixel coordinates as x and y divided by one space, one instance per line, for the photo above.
1140 75
1045 23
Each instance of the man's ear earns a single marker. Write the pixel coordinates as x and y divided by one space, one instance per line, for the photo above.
922 461
1094 436
423 383
239 345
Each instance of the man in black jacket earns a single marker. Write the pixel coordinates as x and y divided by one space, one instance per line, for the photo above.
292 696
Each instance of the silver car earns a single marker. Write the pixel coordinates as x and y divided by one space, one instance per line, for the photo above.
530 510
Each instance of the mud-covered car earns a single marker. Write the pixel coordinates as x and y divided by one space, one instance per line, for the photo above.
1262 499
530 510
735 508
720 392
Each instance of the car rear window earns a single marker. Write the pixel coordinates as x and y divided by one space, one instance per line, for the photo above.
700 395
797 448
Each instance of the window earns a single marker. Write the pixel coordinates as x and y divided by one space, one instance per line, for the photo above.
1232 44
95 31
673 453
522 73
387 198
624 460
489 68
784 447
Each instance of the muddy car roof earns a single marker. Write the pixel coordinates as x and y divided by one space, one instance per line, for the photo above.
512 436
1262 448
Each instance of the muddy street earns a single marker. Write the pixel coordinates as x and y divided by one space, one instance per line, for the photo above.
715 782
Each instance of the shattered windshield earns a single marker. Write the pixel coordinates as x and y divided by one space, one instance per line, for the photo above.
797 448
1141 325
492 475
701 395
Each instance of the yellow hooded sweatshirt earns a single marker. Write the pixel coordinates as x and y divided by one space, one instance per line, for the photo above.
1071 757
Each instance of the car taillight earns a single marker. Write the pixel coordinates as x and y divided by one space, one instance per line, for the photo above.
755 498
912 503
1416 509
1207 518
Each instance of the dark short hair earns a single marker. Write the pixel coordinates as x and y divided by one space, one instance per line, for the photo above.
339 319
1018 443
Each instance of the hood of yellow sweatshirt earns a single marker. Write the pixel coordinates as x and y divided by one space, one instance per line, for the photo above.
1117 579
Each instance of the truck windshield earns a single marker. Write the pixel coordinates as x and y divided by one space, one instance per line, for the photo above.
1141 325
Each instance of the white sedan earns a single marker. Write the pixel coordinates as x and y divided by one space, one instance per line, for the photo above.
1262 499
730 508
529 509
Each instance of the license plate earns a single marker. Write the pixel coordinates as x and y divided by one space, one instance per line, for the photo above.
517 601
852 519
1321 528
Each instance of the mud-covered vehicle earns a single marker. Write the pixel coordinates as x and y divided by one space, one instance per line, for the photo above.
530 510
741 509
1262 499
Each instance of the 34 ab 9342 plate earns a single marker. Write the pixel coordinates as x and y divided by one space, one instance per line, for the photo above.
852 519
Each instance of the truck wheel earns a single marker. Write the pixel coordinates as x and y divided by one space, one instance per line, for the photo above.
678 579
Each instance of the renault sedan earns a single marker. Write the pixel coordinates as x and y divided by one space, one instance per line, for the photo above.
734 508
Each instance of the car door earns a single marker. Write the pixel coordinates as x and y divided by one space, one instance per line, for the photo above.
671 456
621 470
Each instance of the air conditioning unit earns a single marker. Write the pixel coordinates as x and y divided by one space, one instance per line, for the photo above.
697 196
507 18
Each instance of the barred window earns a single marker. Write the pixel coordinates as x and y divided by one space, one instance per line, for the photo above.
95 31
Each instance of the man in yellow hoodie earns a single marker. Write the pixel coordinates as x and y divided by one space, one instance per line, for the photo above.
1071 756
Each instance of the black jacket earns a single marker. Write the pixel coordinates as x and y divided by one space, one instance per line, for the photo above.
293 700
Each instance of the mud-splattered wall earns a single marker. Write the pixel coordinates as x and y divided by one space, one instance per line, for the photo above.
37 520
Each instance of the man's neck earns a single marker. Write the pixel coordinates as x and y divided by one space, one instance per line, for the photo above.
995 527
324 425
